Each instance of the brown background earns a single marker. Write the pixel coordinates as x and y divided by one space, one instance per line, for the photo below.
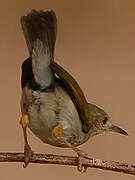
96 43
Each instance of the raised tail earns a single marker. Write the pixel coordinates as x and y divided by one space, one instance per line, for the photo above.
40 28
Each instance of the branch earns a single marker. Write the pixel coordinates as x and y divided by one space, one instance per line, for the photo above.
70 161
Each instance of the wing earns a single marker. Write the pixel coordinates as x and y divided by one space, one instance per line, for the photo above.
75 93
27 74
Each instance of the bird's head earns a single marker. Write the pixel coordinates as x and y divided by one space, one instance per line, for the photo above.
102 123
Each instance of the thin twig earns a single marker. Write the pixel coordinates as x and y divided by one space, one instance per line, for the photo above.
70 161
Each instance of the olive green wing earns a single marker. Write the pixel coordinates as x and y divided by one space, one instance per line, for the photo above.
75 93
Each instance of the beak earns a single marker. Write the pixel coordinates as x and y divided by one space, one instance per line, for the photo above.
117 129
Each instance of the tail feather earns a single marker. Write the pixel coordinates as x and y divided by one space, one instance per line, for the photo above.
40 65
41 25
40 29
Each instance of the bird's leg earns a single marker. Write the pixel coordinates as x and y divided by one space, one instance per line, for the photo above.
57 132
27 149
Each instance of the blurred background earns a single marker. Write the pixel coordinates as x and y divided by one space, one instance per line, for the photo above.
96 43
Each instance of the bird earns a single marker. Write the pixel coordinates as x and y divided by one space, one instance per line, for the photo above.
53 105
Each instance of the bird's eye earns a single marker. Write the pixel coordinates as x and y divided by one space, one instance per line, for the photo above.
105 120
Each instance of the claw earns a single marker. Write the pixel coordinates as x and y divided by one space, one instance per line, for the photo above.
81 159
85 169
27 155
57 132
79 167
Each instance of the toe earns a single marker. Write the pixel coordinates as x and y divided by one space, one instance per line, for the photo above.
27 155
79 167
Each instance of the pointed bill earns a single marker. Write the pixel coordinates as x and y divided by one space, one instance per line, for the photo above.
117 129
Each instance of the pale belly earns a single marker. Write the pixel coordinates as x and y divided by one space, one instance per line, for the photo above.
47 110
